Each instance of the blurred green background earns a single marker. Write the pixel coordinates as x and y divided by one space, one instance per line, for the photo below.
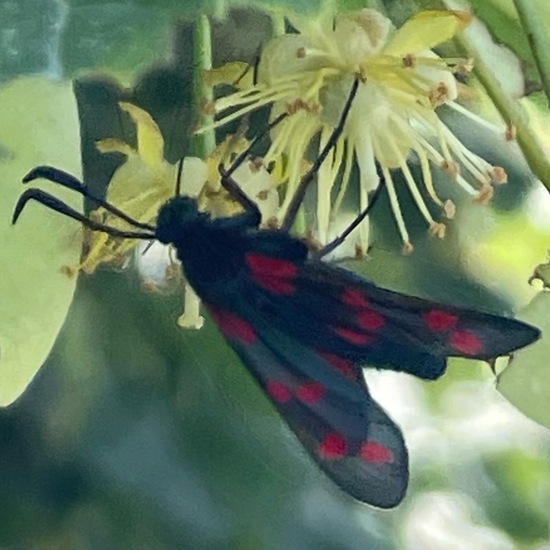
138 434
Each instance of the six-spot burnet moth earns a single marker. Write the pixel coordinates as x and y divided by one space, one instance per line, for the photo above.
304 328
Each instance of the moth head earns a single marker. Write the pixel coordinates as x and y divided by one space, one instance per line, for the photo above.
176 217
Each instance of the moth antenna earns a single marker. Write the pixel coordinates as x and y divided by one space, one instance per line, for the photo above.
70 182
177 189
53 203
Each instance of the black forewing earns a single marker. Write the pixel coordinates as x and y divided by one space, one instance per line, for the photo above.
304 328
345 431
333 310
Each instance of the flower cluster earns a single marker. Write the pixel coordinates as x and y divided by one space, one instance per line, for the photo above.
146 180
393 116
308 75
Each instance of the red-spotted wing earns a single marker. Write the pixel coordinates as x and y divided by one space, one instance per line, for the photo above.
304 329
335 311
334 416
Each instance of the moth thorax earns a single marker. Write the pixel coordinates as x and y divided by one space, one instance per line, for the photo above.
176 217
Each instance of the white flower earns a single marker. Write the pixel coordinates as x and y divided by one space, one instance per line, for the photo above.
146 180
393 116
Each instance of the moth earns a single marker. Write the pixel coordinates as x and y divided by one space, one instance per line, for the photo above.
304 328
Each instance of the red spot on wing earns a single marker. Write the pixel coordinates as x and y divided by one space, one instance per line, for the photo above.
371 451
275 284
465 342
344 366
278 392
354 337
333 446
311 392
273 274
439 321
370 320
259 263
233 327
354 298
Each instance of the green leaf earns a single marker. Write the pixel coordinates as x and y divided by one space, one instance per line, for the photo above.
38 125
526 381
502 22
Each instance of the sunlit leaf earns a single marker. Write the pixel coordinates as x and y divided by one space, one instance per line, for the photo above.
38 125
501 19
526 381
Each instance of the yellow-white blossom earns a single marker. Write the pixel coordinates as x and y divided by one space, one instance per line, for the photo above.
146 180
309 75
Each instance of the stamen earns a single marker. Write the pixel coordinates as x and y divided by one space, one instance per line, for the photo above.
437 159
305 131
368 180
498 175
395 77
439 95
510 133
438 229
439 128
427 175
349 146
413 188
396 210
477 119
251 106
97 249
364 227
485 194
476 166
325 180
441 63
449 209
257 94
451 168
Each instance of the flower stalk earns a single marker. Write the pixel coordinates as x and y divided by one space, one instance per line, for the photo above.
513 114
536 32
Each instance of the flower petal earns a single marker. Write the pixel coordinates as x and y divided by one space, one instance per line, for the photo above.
235 73
426 30
150 143
113 145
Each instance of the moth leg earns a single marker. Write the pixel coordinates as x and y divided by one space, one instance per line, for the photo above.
251 65
236 192
353 225
232 187
246 153
308 177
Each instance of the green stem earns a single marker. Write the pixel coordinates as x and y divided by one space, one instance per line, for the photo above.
512 113
536 30
204 143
